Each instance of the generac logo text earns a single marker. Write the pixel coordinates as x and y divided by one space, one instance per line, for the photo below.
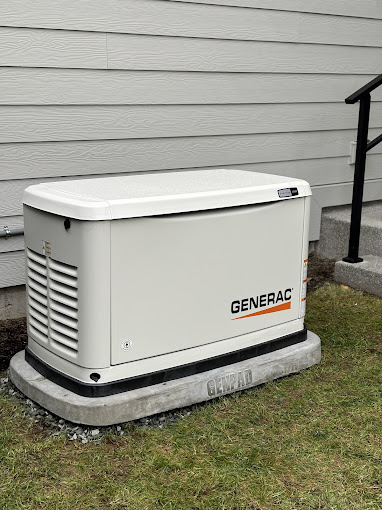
281 301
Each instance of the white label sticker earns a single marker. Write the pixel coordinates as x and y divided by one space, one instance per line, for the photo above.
46 248
303 308
126 344
305 272
304 287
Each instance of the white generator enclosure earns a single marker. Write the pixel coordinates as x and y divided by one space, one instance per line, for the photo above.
137 280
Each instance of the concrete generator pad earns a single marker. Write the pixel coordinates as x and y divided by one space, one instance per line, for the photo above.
151 400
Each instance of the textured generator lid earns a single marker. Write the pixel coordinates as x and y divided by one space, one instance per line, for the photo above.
150 194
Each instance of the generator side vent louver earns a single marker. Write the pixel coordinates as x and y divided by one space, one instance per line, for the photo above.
53 302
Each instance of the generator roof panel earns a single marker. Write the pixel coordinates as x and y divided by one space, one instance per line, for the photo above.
150 194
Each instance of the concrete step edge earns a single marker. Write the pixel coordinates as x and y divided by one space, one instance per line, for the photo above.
365 276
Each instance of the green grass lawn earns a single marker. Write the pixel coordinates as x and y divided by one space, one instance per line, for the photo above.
308 441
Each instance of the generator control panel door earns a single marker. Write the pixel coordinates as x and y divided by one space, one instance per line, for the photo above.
184 280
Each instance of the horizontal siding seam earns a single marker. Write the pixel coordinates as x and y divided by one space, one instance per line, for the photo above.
171 36
344 15
177 71
116 105
164 70
168 105
178 168
171 105
333 185
169 138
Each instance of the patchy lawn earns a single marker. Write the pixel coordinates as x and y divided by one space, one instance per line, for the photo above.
308 441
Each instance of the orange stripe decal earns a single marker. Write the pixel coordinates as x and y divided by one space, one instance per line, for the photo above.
278 308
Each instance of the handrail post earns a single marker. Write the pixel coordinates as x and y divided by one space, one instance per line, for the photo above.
359 179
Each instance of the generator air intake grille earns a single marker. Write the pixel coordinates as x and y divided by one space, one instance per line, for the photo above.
52 288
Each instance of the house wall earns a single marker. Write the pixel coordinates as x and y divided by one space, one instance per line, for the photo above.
95 87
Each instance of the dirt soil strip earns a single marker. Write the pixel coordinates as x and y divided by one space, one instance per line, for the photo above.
13 338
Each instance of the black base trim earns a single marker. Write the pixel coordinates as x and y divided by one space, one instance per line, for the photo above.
141 381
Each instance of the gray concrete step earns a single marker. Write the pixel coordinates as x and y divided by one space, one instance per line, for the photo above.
333 244
366 275
335 225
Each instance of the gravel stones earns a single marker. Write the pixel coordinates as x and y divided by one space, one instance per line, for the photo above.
55 426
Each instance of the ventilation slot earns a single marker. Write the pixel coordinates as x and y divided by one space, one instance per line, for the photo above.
53 302
60 267
63 302
38 315
37 289
63 342
63 308
63 289
40 259
39 329
68 281
40 288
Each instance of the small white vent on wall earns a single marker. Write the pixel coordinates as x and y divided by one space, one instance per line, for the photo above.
353 151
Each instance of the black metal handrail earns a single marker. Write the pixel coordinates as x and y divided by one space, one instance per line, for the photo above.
363 146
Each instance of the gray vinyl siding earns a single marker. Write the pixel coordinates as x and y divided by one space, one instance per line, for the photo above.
89 87
346 8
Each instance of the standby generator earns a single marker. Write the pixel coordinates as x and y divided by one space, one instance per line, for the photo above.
139 280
